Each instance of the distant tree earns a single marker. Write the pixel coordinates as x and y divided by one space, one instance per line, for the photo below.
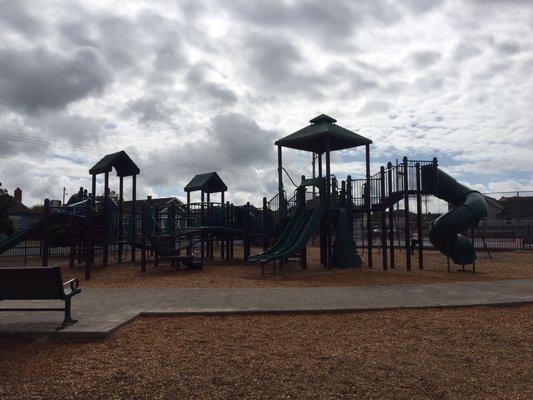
113 196
37 208
6 225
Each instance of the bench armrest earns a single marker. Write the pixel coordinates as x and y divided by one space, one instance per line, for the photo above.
73 285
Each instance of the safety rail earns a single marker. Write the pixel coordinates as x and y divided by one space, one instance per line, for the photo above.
292 204
273 205
388 185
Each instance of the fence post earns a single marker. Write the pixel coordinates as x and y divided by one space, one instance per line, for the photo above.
435 175
79 242
134 216
369 232
46 232
223 224
120 219
223 236
72 242
107 218
171 229
246 229
265 224
383 211
157 234
143 236
419 218
89 251
391 216
210 244
407 222
232 223
228 225
202 224
349 201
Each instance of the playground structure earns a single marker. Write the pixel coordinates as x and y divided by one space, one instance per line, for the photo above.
91 223
374 194
190 233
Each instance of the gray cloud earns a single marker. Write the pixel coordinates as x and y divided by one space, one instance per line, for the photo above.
17 16
425 58
115 34
378 106
168 59
41 79
465 51
77 33
330 22
277 65
274 58
422 6
509 47
429 83
150 109
200 85
76 128
354 80
242 141
233 144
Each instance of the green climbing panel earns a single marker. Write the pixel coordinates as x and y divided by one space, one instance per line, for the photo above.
344 251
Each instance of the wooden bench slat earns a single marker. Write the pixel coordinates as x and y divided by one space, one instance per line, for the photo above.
43 283
37 283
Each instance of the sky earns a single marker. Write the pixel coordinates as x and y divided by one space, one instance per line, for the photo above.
187 87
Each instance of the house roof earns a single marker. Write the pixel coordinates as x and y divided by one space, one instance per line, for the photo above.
161 202
122 163
16 207
208 183
78 196
313 137
492 201
517 204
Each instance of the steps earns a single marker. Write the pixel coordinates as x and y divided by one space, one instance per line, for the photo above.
173 255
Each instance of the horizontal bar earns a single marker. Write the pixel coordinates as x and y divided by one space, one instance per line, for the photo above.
32 309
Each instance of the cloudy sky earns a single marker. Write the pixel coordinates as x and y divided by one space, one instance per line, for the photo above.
187 87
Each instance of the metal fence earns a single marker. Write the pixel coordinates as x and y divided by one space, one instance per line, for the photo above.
493 237
32 249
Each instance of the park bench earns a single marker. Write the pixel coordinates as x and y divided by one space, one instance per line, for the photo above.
38 283
175 258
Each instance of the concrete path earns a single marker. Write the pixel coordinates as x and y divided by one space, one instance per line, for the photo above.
101 311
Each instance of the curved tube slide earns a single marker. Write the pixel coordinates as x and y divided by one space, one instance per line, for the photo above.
469 208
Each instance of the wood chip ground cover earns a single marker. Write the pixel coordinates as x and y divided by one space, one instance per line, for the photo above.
467 353
237 273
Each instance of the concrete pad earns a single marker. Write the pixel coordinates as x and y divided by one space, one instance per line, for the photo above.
101 311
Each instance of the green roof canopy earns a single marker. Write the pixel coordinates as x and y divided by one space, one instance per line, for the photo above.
313 137
209 183
123 164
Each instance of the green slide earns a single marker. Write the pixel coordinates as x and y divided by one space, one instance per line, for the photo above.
292 228
14 239
301 226
18 237
469 208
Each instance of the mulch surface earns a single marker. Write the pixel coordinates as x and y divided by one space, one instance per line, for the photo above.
465 353
237 273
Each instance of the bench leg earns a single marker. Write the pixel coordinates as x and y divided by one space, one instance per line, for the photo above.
68 318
